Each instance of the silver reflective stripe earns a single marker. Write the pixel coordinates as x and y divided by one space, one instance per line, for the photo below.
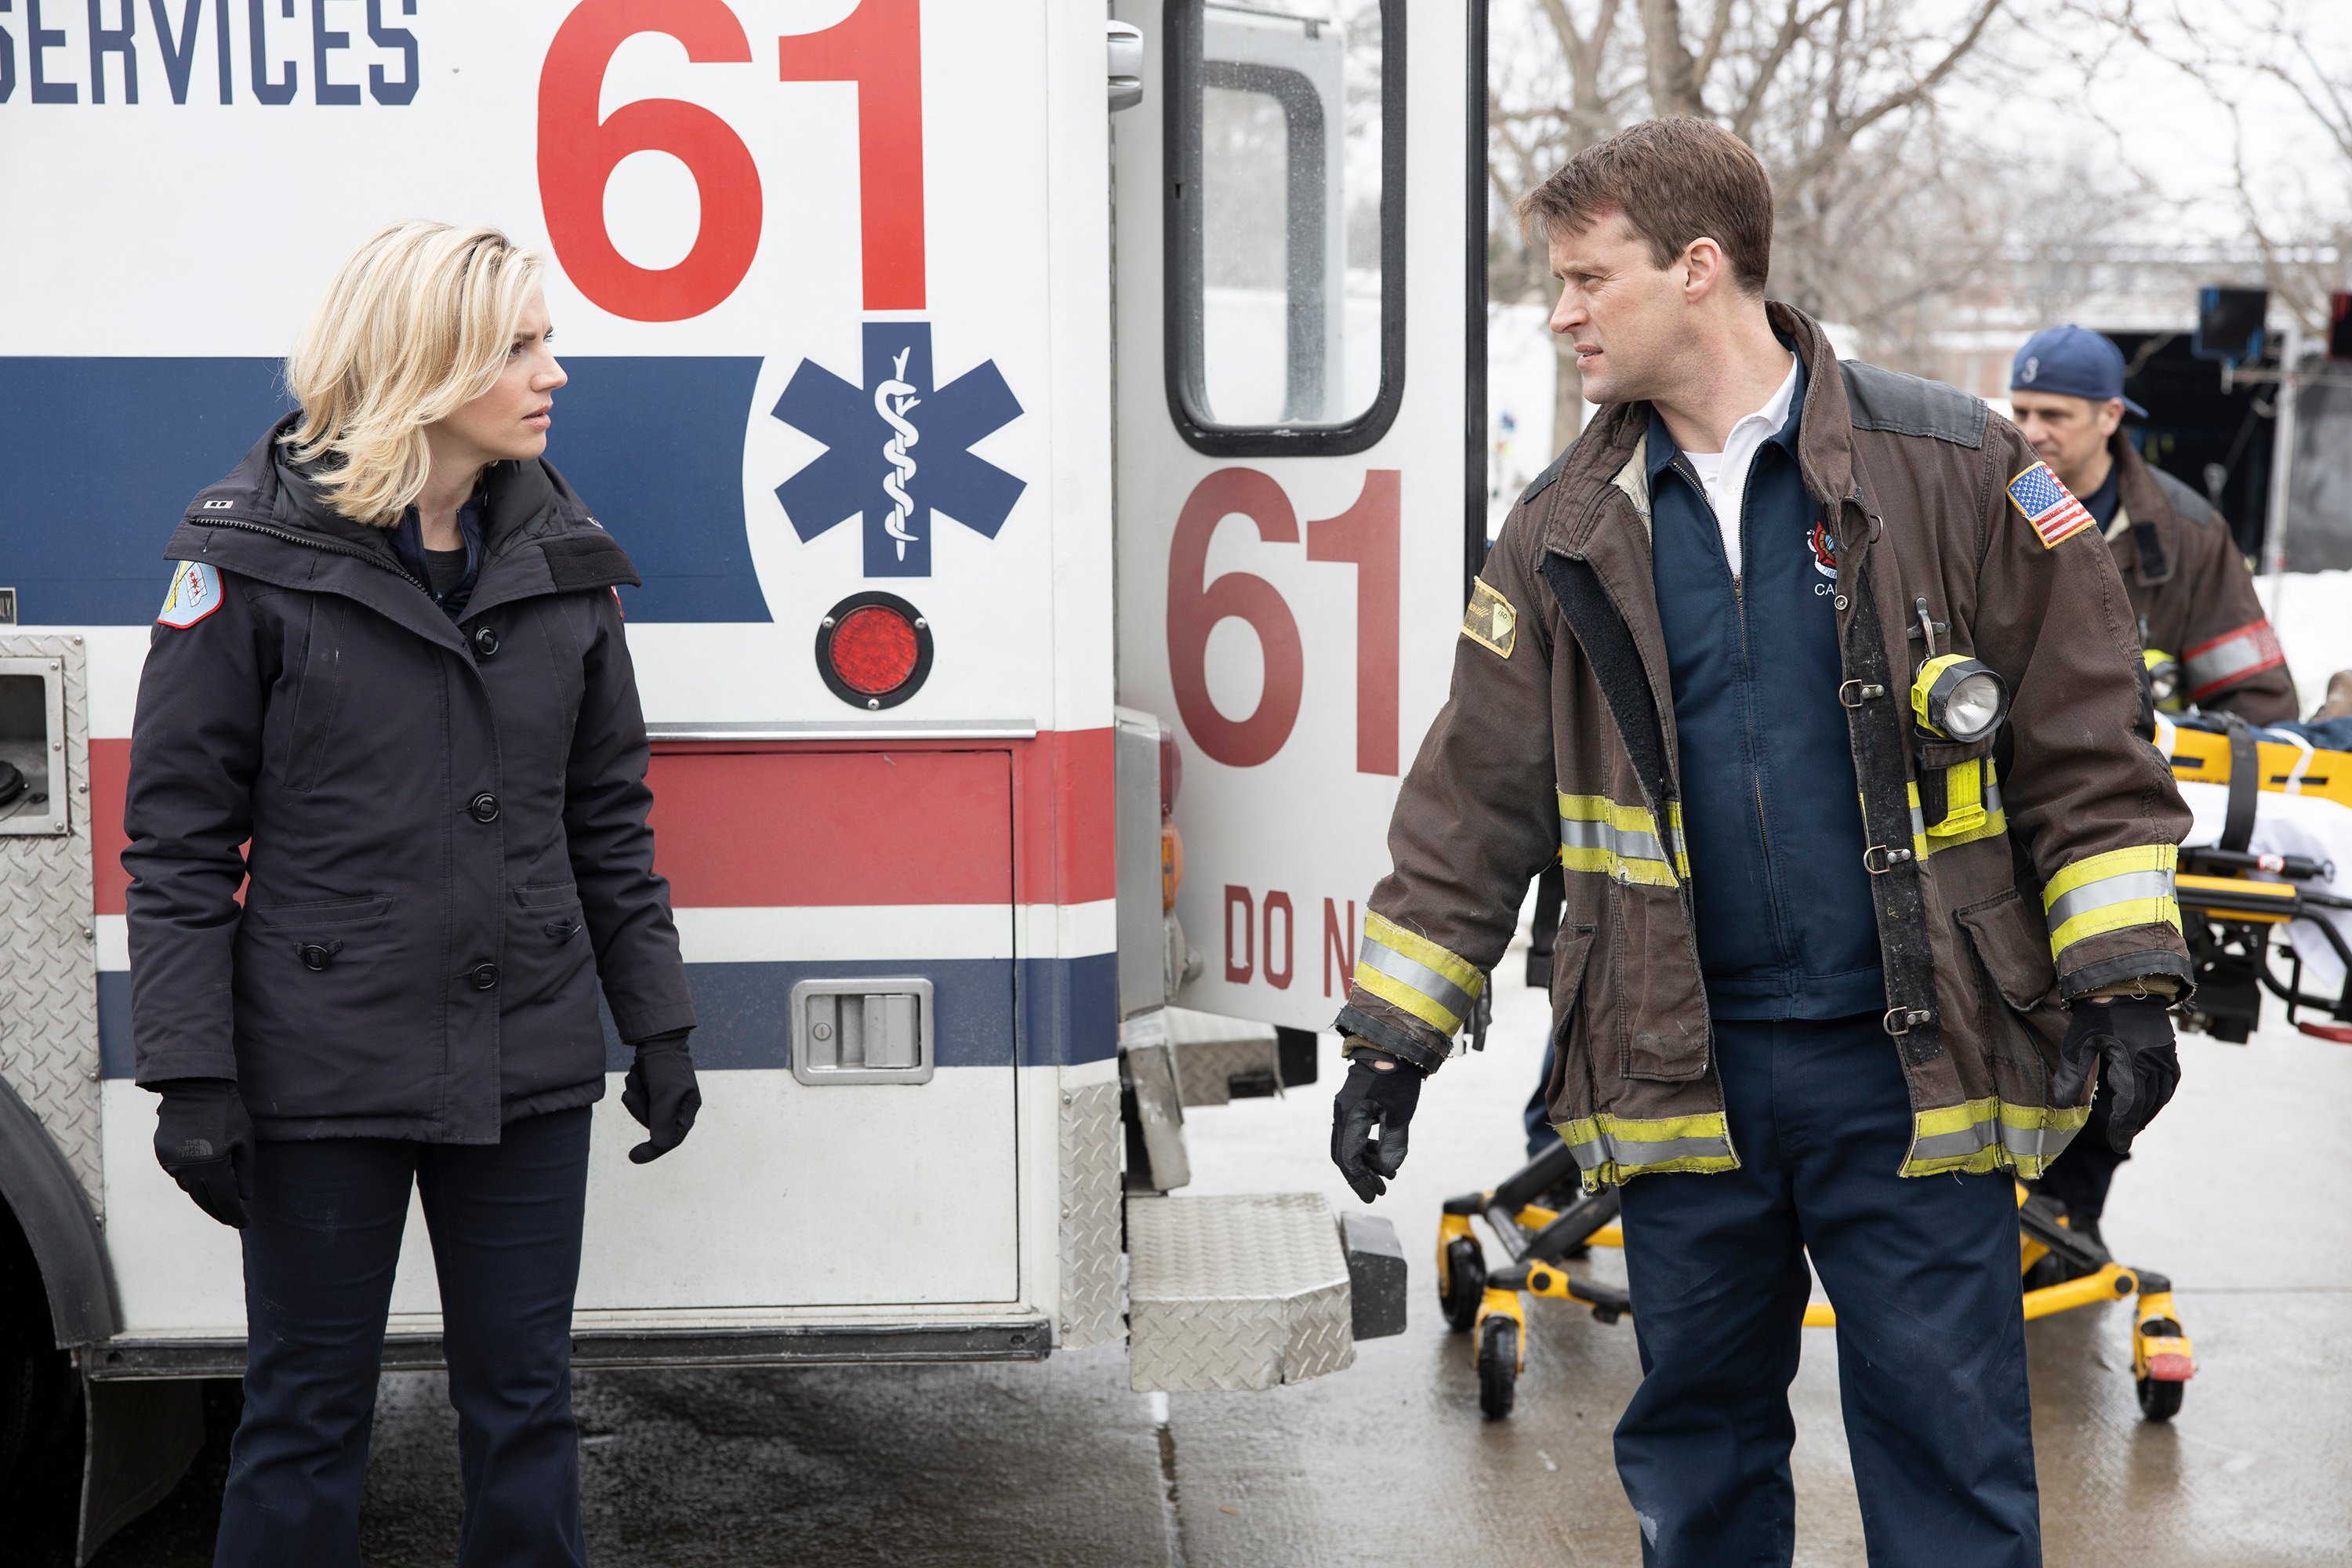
2022 1143
1626 843
2036 1142
2246 651
1624 1152
2122 887
1947 1145
1419 975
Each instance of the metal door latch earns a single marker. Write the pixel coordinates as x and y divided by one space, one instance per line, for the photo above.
866 1030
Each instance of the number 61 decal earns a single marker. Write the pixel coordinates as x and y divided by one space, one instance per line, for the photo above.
1366 535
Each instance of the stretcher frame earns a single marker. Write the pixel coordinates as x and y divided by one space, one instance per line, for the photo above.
1540 1241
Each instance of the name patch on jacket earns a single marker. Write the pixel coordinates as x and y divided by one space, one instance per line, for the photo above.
2043 499
1490 622
195 593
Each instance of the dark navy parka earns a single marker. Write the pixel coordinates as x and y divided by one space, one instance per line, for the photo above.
1771 813
442 822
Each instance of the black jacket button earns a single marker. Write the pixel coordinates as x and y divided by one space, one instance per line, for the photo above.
315 957
483 807
485 641
485 976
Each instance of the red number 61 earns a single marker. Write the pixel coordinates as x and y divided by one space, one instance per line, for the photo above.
577 154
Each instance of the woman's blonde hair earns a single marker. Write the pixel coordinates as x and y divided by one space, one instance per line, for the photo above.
416 324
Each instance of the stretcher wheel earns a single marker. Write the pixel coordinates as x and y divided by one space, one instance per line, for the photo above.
1463 1284
1498 1366
2159 1401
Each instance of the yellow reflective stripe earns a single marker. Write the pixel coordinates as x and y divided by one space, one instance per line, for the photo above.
2111 891
1609 1148
1415 974
1598 835
1989 1134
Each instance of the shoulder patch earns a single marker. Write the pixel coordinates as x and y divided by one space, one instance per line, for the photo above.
1542 481
1902 405
1490 621
2044 500
195 593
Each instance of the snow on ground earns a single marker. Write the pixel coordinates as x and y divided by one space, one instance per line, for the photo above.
2313 616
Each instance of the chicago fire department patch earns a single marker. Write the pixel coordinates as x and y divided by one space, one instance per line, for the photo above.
195 593
1825 551
2044 500
1490 622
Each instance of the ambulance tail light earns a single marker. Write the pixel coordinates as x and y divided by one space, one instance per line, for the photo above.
1171 865
874 650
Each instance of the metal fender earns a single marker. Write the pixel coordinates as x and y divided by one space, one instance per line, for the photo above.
40 1190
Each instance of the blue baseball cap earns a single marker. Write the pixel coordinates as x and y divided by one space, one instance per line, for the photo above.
2072 361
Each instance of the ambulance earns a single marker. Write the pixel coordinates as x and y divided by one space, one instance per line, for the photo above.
1050 440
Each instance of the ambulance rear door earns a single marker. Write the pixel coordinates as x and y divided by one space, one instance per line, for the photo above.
1299 218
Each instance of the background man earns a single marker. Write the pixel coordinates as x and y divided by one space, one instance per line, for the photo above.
2188 585
1686 673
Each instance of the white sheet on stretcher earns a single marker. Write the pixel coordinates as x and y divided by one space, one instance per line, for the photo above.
2289 824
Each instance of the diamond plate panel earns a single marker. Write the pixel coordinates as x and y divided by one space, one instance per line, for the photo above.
49 950
1090 1215
1232 1293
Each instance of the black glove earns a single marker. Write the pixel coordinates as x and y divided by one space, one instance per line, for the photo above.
660 1093
2133 1035
204 1138
1381 1092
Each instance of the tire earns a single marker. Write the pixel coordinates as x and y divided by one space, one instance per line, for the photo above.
1461 1283
1498 1367
2159 1401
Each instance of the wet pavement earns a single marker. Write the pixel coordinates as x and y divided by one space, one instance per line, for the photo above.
1390 1463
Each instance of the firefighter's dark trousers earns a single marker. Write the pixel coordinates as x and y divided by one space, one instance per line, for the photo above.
320 1248
1931 1331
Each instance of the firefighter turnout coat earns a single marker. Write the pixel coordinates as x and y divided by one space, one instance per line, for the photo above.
2006 876
444 824
2190 590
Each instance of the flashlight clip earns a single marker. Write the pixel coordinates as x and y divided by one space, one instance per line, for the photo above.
1927 628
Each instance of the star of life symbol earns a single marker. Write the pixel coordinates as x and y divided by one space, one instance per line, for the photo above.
869 468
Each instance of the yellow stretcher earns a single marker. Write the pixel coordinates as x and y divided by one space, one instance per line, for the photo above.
1541 1241
2234 900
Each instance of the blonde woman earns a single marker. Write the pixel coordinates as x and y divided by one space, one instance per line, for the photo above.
388 686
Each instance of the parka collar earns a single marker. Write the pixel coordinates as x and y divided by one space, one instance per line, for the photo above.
2142 500
267 521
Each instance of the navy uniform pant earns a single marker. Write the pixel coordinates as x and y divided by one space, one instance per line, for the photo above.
320 1244
1931 1330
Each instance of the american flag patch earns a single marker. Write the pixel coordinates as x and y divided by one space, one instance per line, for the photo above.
2048 505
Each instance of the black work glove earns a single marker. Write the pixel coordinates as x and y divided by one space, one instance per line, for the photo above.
204 1138
2133 1035
1381 1092
660 1093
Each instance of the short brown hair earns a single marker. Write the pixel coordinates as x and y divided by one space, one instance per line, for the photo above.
1675 179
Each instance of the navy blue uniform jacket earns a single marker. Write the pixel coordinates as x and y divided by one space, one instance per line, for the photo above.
444 824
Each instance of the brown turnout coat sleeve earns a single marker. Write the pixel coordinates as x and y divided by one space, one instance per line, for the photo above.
2191 586
1475 823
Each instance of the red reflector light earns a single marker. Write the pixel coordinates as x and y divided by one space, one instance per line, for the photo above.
874 650
2170 1368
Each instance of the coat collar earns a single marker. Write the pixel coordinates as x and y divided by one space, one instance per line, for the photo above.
267 519
1614 452
2142 502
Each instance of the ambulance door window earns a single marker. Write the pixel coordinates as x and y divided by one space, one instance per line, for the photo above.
1285 309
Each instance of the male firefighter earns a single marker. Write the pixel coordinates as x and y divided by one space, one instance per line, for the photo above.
2189 588
1743 660
2191 597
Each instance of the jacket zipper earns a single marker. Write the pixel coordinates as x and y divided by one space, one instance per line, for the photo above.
326 544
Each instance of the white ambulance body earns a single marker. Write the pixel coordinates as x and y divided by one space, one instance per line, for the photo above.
966 436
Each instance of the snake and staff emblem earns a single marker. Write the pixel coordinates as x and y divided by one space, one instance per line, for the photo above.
892 399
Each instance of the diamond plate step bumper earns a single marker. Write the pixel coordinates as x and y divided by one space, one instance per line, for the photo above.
1230 1293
